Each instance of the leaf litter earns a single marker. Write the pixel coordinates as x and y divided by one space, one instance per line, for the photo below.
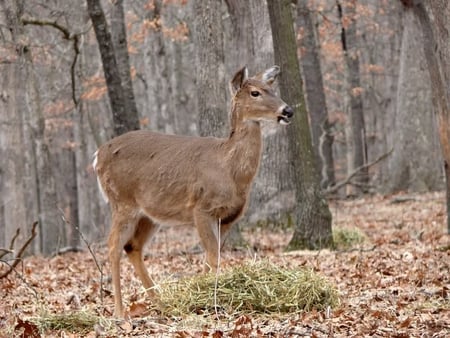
393 283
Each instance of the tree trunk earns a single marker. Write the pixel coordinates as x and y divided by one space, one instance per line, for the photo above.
74 239
123 120
315 95
51 234
17 194
156 67
248 41
380 30
119 39
211 84
242 45
355 127
313 218
434 19
414 119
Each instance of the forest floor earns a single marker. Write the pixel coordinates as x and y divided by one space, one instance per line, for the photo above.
395 284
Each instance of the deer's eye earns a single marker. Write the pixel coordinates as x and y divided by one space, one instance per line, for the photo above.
255 93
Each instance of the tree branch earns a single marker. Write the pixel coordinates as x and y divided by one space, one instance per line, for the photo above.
68 35
99 267
11 245
349 177
32 21
19 255
4 252
91 251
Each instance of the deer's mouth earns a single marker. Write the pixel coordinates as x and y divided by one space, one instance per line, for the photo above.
286 115
284 120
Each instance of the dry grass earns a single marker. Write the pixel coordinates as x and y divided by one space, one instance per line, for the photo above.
260 287
81 321
345 238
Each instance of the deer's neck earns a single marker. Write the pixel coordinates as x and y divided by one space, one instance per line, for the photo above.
243 148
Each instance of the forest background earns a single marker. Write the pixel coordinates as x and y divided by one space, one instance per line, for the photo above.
366 153
55 109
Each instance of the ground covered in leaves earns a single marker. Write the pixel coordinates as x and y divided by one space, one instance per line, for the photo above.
394 284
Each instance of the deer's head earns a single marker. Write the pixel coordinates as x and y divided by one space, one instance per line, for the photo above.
255 100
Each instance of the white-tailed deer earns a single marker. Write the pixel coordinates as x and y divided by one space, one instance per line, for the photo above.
151 178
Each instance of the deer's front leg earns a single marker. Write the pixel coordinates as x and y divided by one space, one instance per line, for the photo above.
208 231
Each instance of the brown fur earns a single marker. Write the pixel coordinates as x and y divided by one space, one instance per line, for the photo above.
151 178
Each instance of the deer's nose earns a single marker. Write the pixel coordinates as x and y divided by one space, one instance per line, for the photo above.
288 112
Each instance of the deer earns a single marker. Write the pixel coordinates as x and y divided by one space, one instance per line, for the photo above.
152 179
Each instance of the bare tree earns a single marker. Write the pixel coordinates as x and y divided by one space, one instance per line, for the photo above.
315 95
248 41
50 162
211 85
414 118
312 215
355 127
13 148
434 19
119 38
51 235
124 120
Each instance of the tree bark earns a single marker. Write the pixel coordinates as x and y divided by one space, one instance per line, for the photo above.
242 35
312 216
355 128
123 120
248 41
51 235
119 39
156 67
17 195
414 119
211 84
434 19
315 95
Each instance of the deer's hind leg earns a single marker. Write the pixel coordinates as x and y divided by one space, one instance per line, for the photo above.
145 229
123 227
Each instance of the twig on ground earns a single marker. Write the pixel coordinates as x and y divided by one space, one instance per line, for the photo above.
21 251
60 251
99 268
357 249
68 249
13 240
4 252
11 244
24 281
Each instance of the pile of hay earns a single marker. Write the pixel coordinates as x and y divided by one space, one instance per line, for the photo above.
260 287
79 321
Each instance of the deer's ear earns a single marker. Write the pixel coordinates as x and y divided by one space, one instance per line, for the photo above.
270 75
238 79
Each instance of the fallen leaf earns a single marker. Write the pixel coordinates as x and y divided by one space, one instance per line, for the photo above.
138 310
27 329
